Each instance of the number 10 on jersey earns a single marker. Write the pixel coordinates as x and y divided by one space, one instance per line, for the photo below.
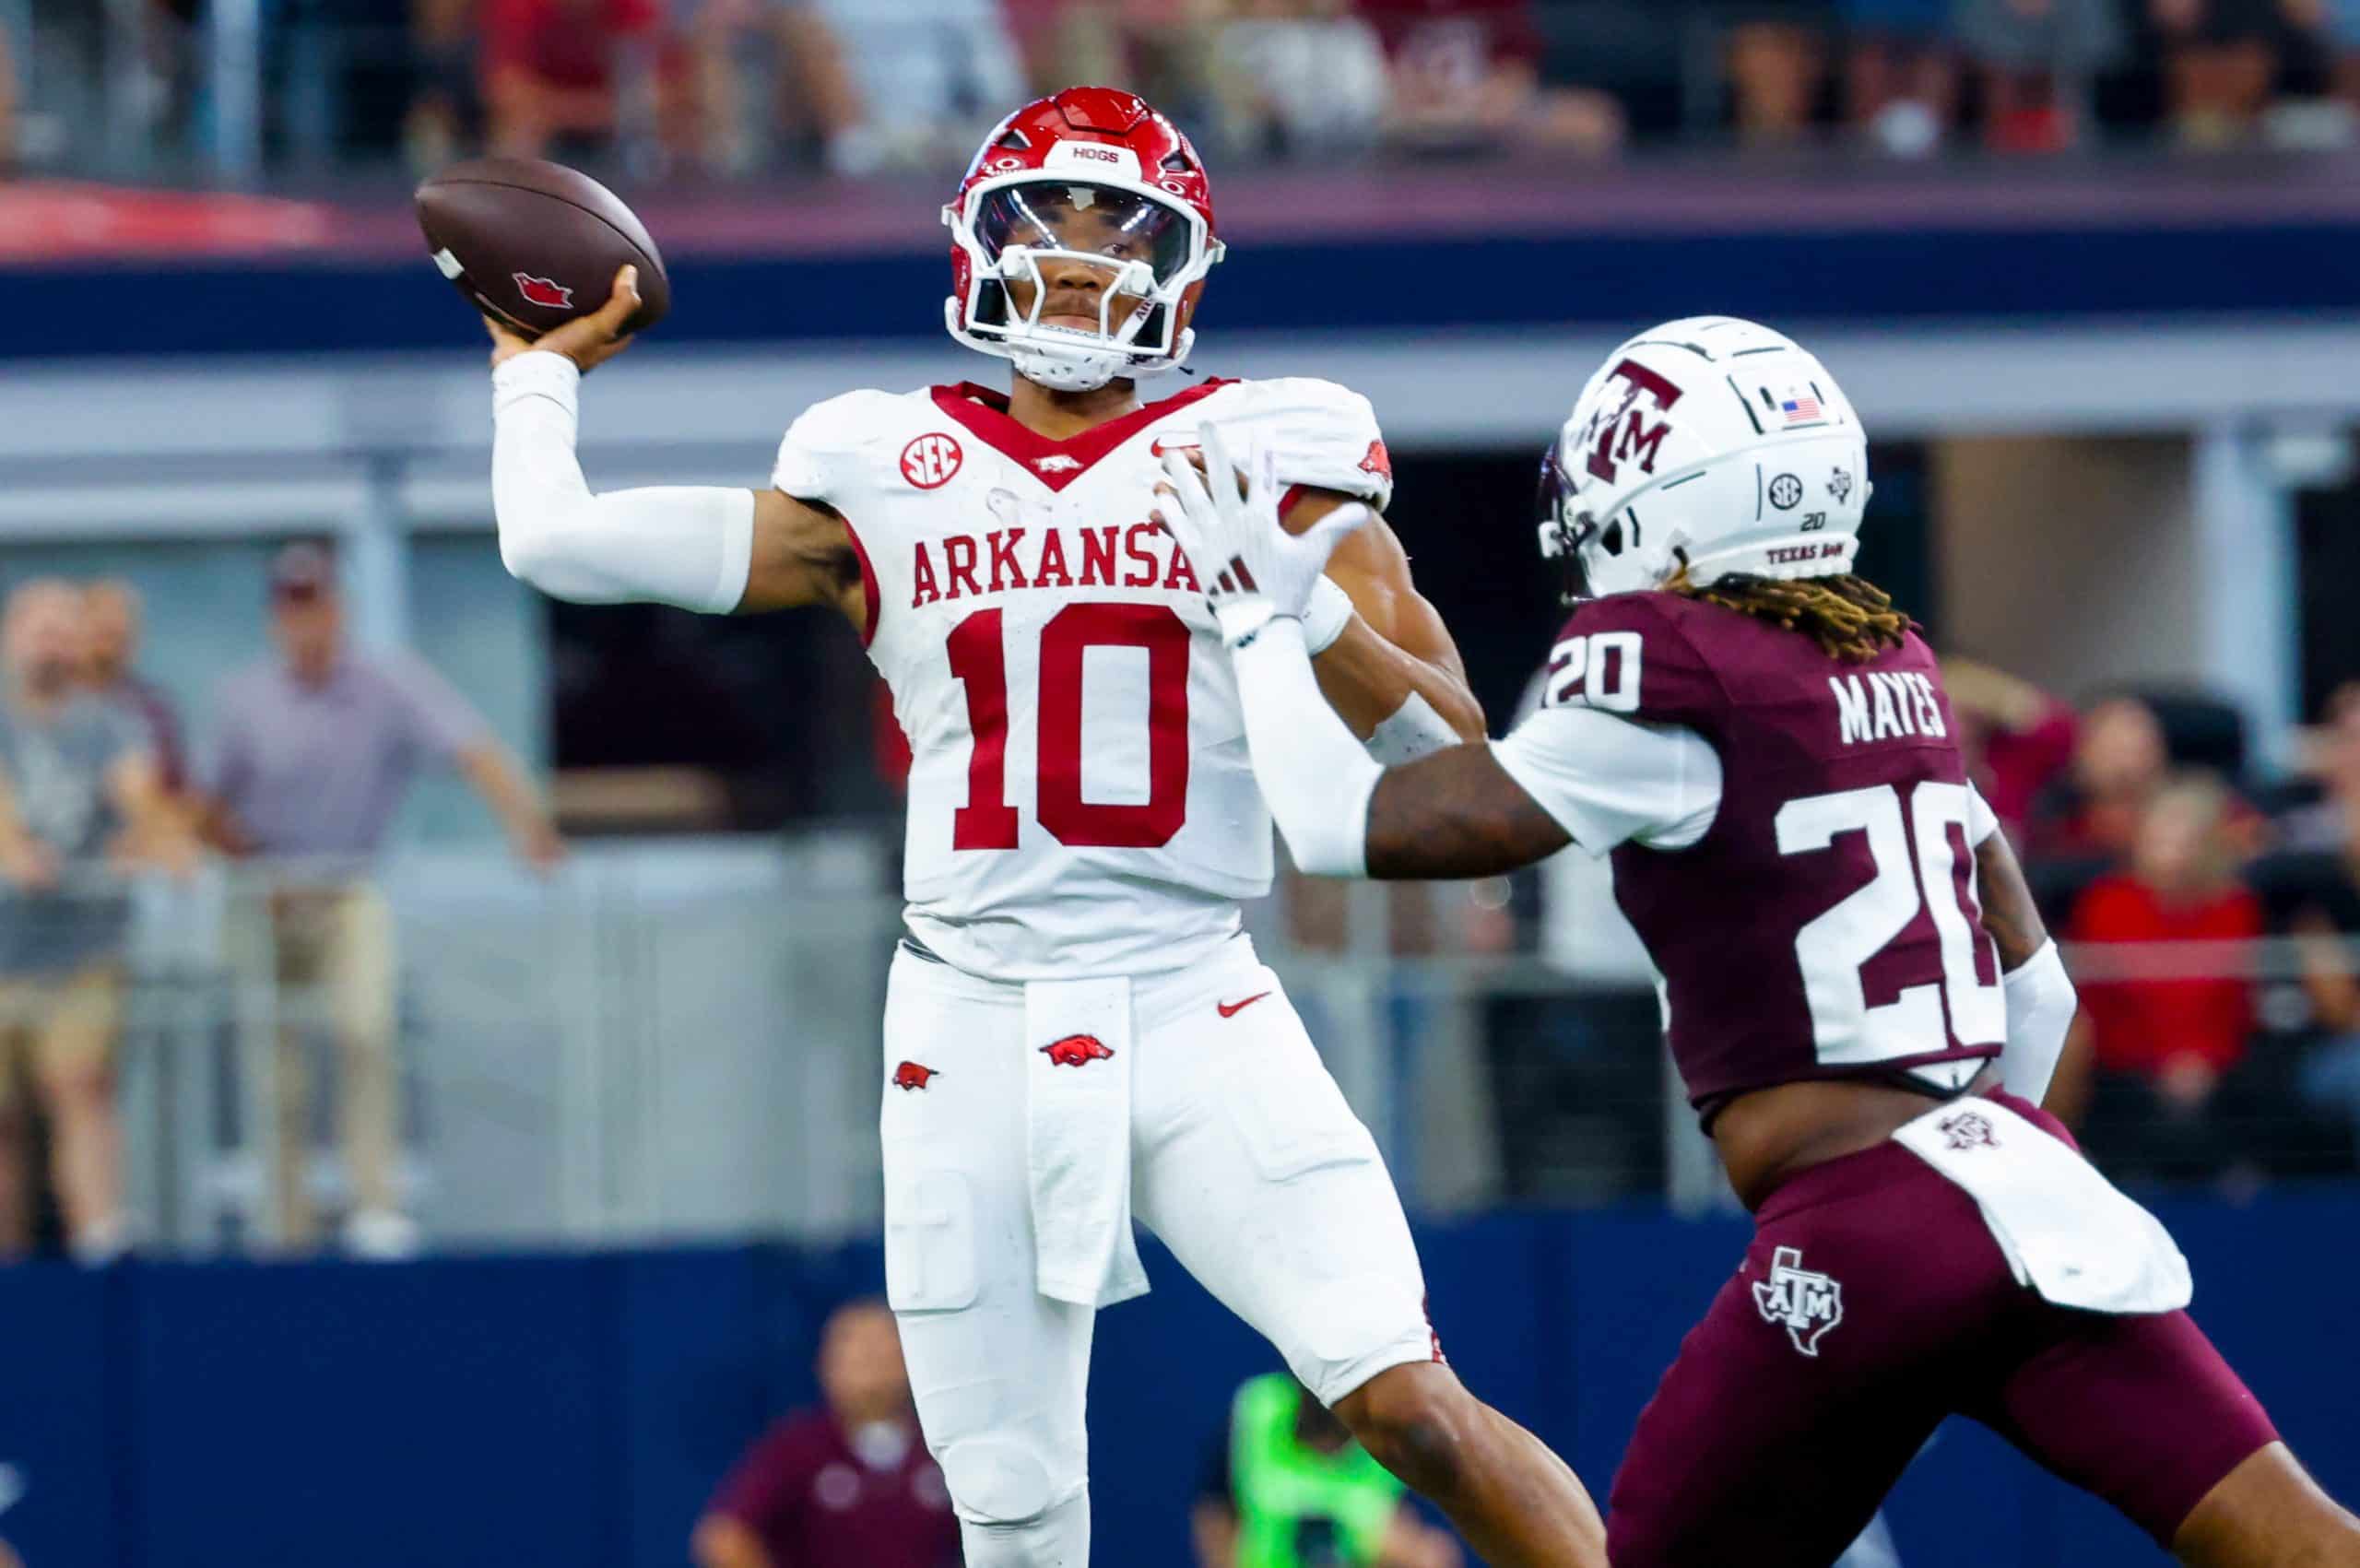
979 662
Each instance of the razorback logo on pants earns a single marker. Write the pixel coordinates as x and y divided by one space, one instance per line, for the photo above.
1077 1050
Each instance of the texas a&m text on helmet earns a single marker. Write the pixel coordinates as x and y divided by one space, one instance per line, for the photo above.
1090 175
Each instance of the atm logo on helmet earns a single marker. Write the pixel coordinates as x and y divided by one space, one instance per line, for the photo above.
1624 432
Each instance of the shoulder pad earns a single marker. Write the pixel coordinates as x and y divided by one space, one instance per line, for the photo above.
816 456
1630 653
1326 436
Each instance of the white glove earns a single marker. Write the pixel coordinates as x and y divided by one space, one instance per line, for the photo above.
1253 571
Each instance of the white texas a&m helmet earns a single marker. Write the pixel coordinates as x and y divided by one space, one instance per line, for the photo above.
1712 445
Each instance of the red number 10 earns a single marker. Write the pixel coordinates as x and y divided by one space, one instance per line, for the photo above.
979 662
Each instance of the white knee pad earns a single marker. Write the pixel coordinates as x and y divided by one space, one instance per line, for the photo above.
999 1479
1058 1538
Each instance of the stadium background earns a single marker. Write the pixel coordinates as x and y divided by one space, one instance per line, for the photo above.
2102 329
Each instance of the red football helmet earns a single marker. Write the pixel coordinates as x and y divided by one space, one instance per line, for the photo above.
1094 175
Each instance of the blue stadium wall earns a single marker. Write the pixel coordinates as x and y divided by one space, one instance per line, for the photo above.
576 1410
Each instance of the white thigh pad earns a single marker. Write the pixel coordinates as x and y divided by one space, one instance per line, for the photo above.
930 1262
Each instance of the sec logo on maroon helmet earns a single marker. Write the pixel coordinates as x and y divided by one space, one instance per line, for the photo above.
929 462
1077 1050
914 1075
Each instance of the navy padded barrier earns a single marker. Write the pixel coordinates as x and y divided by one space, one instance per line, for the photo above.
1612 280
578 1408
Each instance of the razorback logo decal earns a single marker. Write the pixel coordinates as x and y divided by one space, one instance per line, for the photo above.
914 1075
1378 462
1077 1050
546 292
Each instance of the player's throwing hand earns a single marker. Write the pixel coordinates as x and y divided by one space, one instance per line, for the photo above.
589 341
1253 568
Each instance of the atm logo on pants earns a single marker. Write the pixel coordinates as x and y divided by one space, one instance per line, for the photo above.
1805 1302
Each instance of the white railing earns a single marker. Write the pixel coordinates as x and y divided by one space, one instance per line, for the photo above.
680 1039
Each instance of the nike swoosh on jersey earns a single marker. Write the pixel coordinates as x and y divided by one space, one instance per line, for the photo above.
1231 1009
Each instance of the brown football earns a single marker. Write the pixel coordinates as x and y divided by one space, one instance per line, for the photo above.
537 245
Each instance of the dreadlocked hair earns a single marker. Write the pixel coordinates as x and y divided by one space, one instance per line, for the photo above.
1850 617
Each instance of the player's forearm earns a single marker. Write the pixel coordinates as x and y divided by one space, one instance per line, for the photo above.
685 547
1401 704
1314 771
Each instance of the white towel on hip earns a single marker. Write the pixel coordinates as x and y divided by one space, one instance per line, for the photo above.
1078 1139
2068 1232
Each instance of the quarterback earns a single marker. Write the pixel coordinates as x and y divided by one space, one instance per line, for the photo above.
1077 1032
1763 744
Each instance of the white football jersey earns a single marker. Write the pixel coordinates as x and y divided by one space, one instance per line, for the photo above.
1081 800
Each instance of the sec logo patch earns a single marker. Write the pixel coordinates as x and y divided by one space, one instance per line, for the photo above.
930 461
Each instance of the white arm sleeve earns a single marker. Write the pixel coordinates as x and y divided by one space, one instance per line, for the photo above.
1312 769
693 547
2040 1013
1607 779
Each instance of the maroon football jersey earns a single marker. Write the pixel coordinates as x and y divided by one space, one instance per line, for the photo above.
1826 924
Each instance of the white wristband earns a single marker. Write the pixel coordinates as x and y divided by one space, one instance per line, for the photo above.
2040 1013
1326 617
539 373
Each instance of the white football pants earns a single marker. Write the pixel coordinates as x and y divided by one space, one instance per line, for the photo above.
1245 1159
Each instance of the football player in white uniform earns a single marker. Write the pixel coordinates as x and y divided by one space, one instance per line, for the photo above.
1076 1031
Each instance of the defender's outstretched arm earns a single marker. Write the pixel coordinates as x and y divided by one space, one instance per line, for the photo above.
704 548
1453 813
1383 656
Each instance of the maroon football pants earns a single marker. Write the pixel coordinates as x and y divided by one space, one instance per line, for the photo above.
1873 1303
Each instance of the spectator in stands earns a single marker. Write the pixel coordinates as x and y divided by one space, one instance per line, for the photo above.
80 804
2164 1030
2017 739
2318 881
2119 761
812 84
445 107
1285 1485
567 78
2221 62
111 629
1299 77
1162 49
1467 77
2337 23
7 101
1900 74
2037 59
938 74
314 753
848 1484
1776 59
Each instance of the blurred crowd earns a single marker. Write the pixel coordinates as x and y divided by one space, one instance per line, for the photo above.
308 755
2212 907
734 87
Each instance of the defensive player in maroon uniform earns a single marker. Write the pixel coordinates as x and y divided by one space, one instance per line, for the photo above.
1762 743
